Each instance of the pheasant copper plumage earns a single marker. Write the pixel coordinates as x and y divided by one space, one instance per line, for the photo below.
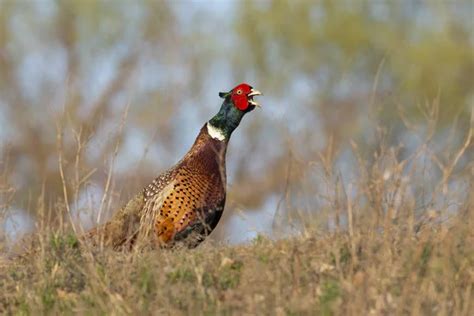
185 203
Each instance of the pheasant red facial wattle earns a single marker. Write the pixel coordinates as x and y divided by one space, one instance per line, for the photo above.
242 96
239 96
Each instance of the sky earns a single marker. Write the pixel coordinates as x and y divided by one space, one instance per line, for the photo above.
44 65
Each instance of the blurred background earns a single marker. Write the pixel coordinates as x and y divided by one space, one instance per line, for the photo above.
99 97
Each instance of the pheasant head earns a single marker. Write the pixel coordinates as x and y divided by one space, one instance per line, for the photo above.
237 102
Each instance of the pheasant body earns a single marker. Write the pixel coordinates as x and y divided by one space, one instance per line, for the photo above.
185 203
190 197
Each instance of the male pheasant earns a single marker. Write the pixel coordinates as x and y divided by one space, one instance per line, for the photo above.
185 203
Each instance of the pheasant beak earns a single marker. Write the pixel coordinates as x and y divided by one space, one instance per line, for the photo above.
253 93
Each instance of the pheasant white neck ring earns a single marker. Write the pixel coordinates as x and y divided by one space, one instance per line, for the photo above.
215 132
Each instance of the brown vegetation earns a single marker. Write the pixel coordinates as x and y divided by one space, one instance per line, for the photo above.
365 271
384 259
360 163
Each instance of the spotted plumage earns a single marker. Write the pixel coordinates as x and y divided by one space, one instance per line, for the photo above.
185 203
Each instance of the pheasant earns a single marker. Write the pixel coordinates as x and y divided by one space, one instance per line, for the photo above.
183 204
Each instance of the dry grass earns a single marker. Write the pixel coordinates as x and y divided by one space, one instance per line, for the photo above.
395 273
399 245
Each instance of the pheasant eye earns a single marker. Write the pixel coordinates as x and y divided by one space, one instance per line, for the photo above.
239 91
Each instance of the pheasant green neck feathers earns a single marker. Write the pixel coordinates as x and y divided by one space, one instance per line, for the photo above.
225 121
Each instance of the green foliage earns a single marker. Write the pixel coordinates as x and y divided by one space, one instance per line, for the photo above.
48 298
23 308
344 256
424 258
60 243
342 45
208 279
259 239
181 274
330 292
263 257
146 280
229 275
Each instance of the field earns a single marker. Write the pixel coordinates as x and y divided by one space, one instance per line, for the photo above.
396 271
383 254
349 192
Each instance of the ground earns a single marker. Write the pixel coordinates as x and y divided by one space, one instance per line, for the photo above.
429 272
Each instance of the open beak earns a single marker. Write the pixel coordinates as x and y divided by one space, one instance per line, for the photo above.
253 93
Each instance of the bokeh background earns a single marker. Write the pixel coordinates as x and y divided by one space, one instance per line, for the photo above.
115 92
